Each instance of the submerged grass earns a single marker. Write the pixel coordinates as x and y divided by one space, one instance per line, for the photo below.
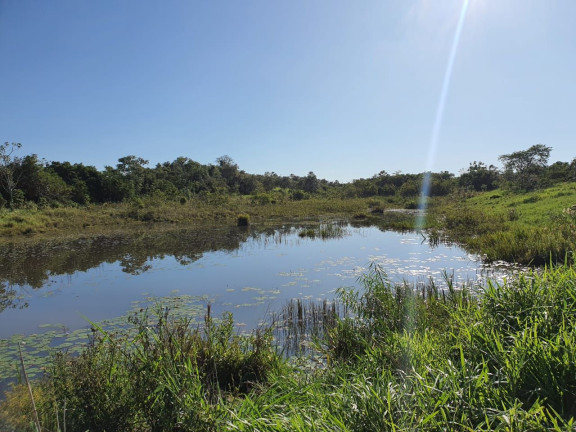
395 358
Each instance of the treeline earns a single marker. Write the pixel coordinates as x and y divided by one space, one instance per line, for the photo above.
523 170
28 179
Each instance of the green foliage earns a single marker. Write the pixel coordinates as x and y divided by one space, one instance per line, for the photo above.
410 189
263 199
209 363
311 183
433 361
524 330
62 183
524 169
94 386
479 177
299 195
529 228
399 358
379 313
162 373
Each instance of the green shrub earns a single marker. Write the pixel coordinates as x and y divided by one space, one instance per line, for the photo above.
243 219
299 195
161 374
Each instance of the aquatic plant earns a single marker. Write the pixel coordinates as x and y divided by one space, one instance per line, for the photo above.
324 231
300 325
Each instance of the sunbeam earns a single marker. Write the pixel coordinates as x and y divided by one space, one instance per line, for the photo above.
432 148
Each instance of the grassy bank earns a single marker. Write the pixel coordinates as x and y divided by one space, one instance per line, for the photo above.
528 228
402 359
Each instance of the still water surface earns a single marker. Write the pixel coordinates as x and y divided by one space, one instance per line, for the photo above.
247 271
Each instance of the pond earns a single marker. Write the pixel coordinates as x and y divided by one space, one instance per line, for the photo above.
50 292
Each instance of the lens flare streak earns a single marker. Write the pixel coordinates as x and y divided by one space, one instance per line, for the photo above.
432 149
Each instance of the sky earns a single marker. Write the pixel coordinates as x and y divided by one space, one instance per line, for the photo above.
345 89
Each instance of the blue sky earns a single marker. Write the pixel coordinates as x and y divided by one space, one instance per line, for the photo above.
345 89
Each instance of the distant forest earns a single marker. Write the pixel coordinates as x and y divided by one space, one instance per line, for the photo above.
28 180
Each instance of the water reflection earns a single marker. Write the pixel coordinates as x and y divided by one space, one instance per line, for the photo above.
32 266
49 290
85 274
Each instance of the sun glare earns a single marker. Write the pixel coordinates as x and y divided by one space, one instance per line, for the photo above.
433 146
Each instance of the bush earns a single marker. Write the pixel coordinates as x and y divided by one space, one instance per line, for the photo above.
299 195
243 219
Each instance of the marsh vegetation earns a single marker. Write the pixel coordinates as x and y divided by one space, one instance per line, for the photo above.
382 354
399 359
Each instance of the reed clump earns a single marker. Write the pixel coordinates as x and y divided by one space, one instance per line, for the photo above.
324 231
301 324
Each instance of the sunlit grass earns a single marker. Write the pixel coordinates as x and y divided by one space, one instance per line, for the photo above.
502 357
530 228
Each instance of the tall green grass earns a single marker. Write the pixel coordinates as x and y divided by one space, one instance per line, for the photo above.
501 359
395 358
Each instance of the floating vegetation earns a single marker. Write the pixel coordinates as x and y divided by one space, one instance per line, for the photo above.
37 349
291 274
251 289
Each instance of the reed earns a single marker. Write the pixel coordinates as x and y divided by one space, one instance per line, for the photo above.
300 325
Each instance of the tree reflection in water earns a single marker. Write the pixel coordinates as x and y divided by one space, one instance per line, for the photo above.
25 265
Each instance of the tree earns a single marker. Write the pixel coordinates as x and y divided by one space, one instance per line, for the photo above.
479 177
228 171
441 184
523 168
40 184
86 181
310 183
8 165
558 172
115 187
133 169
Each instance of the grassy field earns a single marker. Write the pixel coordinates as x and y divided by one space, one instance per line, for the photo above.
399 360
